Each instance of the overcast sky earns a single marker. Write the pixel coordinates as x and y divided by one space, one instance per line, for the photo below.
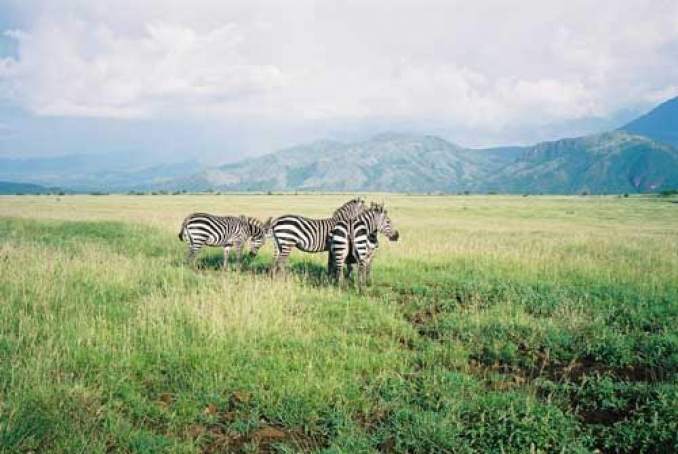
225 79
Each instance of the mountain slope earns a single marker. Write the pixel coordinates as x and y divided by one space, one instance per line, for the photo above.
12 187
110 172
611 162
388 162
660 124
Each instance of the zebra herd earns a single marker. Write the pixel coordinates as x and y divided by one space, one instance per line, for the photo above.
350 236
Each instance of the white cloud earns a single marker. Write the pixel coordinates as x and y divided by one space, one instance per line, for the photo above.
83 69
486 68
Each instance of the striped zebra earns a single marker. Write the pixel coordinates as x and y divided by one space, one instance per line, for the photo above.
372 245
309 235
355 241
203 229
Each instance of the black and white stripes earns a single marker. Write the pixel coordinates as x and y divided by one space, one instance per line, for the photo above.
203 229
350 236
309 235
355 240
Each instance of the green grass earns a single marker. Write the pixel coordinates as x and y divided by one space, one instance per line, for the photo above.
513 324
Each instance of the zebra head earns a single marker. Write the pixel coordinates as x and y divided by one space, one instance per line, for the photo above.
257 233
350 209
381 222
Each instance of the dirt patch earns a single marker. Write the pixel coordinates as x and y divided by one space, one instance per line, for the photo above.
264 439
604 417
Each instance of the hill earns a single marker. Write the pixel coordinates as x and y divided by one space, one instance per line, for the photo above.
387 162
105 172
11 187
660 124
611 162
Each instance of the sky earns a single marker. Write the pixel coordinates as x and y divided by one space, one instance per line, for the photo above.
223 80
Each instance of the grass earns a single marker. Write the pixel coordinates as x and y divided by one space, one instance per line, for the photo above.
497 324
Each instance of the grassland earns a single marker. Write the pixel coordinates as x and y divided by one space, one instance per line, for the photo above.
509 324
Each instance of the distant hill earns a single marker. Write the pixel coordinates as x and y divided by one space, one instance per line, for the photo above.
640 157
388 162
101 172
11 187
611 162
660 124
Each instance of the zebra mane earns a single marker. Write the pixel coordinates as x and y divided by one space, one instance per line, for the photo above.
254 224
351 208
377 207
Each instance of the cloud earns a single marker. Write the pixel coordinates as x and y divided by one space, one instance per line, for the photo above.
74 68
483 69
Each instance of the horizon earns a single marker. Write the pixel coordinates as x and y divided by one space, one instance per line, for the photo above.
368 137
220 83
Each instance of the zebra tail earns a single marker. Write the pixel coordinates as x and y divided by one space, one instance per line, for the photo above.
183 229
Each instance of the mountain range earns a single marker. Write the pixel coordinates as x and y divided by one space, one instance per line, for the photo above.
95 172
639 157
642 156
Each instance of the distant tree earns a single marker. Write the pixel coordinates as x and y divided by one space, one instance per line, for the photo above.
584 193
626 195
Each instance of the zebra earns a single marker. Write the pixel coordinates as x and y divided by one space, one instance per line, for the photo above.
203 229
372 245
355 240
309 235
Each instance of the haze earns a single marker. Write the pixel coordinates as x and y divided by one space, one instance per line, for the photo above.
218 81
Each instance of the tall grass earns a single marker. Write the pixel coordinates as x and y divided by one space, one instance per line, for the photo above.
496 324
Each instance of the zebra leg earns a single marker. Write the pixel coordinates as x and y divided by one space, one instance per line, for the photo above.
339 275
338 266
281 254
238 249
362 272
227 252
330 264
192 255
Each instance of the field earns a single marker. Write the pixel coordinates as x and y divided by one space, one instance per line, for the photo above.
496 324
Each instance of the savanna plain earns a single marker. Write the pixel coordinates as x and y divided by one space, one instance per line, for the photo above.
496 324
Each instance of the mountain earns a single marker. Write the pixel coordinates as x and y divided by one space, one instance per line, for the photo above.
11 187
640 157
612 162
102 172
387 162
660 124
